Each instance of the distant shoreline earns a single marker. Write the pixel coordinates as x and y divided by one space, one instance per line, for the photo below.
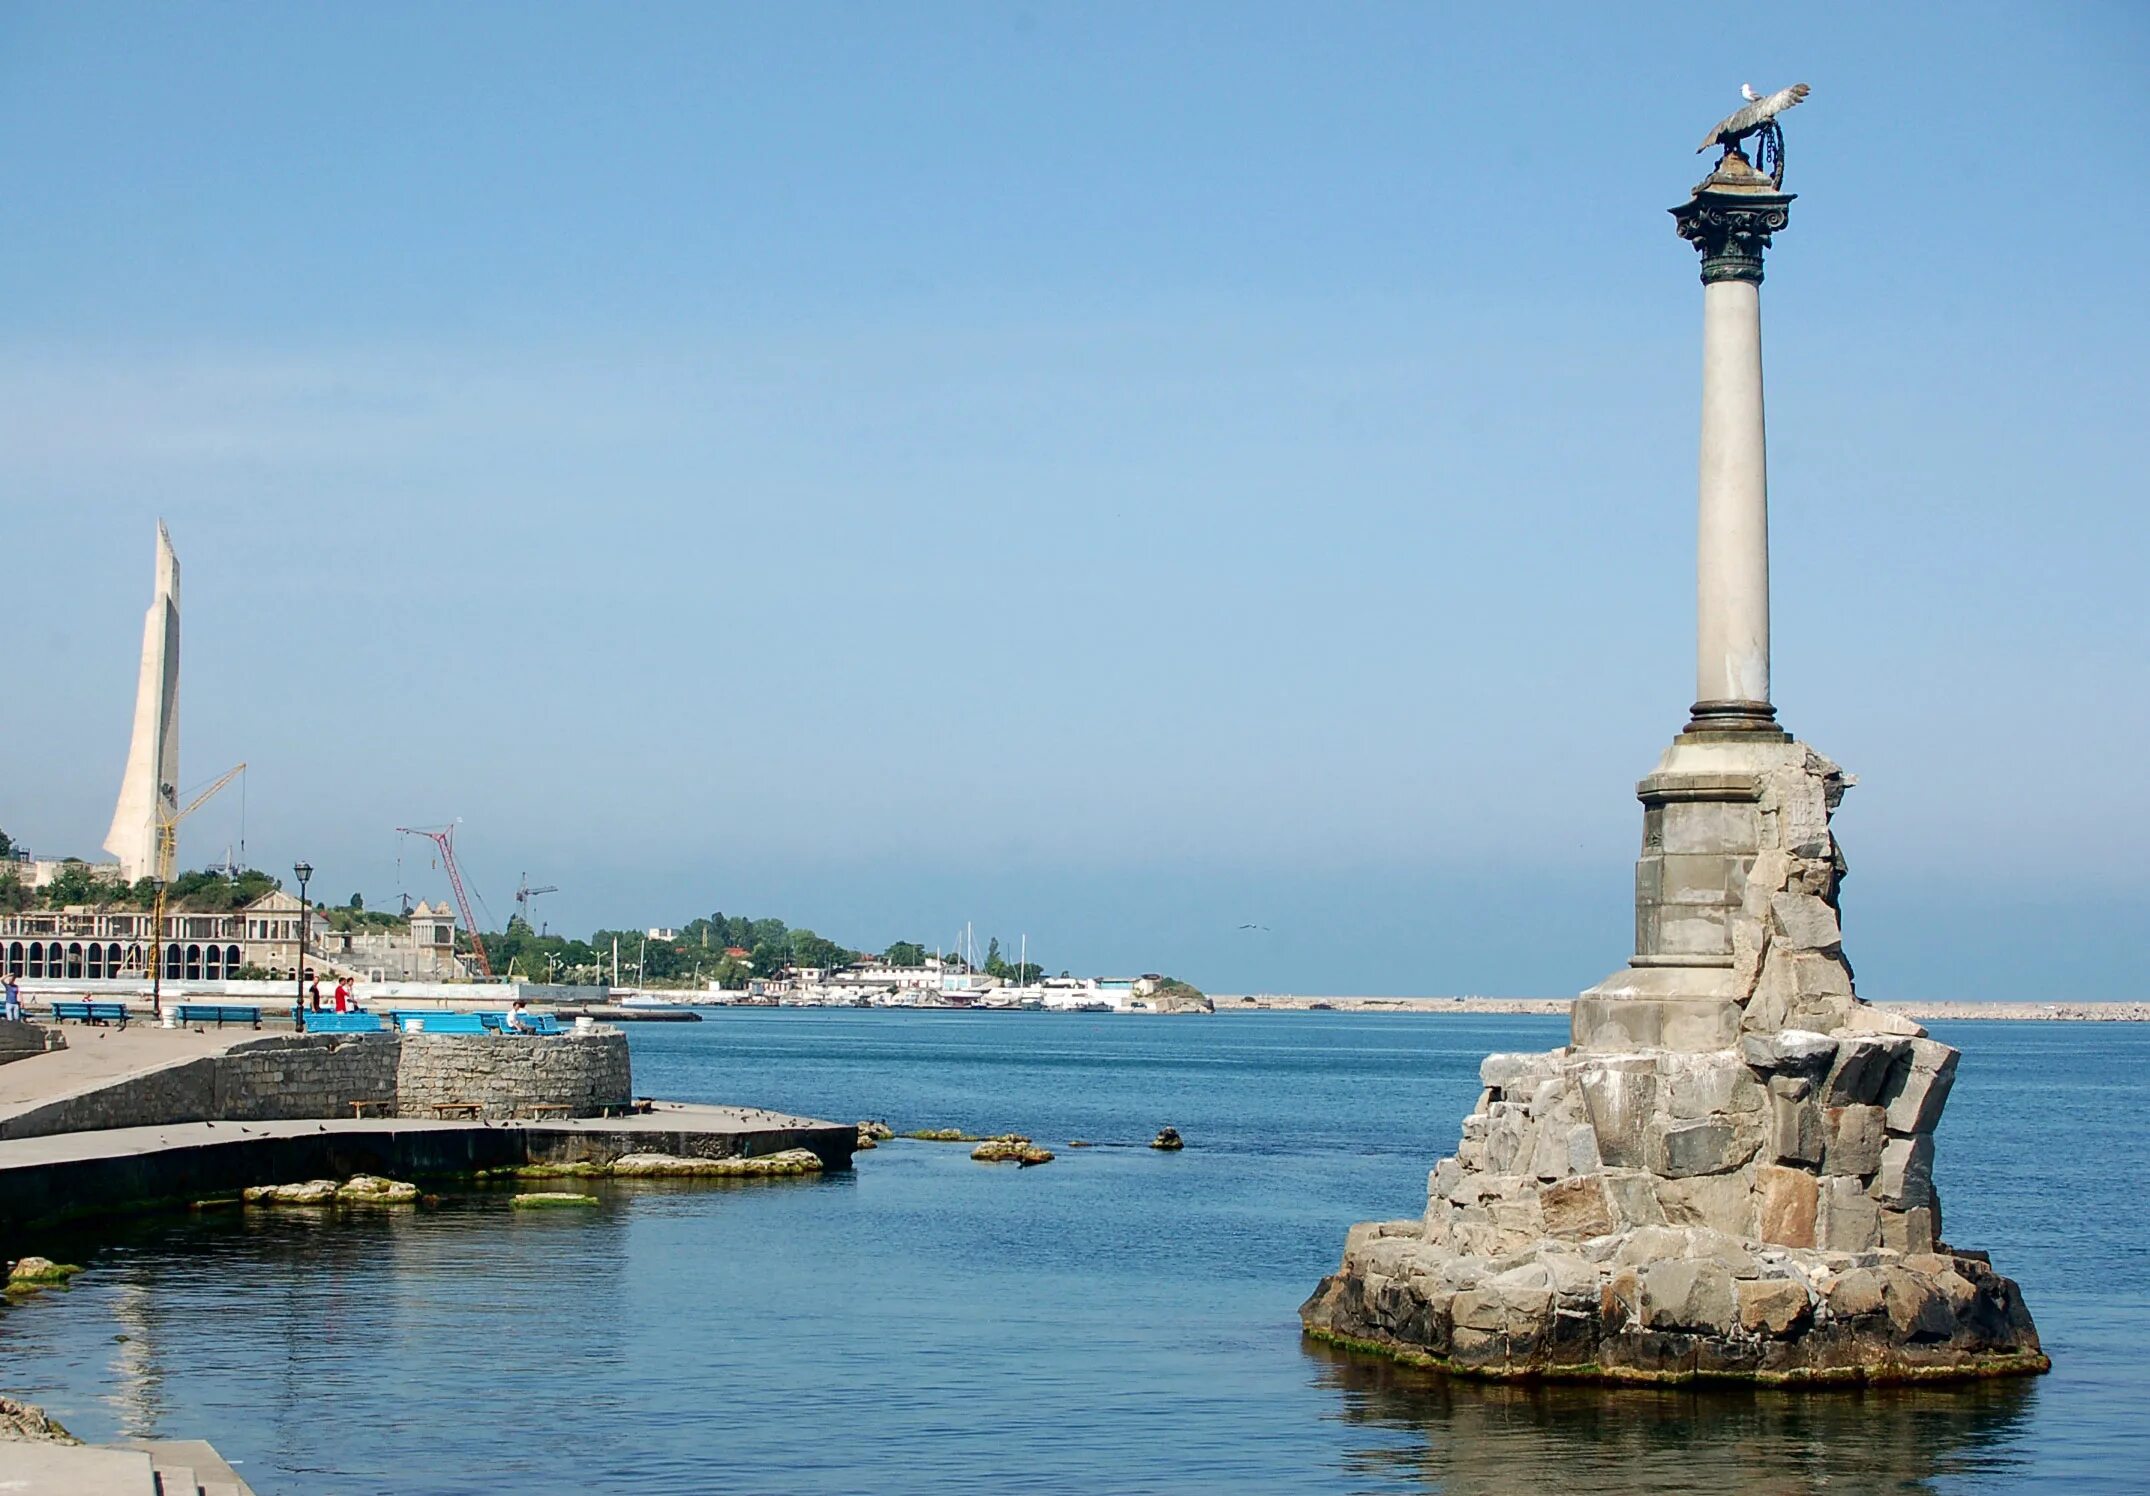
2071 1012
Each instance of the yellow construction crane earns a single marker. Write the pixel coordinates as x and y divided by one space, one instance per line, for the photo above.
167 866
168 826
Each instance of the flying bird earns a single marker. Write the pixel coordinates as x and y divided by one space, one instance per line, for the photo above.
1734 128
1254 927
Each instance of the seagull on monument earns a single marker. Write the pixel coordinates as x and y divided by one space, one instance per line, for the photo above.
1746 91
1734 128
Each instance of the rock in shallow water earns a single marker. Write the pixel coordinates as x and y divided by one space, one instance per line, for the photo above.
790 1162
1013 1148
359 1189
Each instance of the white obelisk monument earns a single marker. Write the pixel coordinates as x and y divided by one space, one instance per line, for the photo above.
149 791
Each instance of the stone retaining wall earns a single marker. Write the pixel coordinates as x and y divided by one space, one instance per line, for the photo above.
19 1041
287 1077
582 1072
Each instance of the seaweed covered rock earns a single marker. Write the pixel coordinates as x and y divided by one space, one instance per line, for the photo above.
32 1273
1011 1148
359 1189
790 1162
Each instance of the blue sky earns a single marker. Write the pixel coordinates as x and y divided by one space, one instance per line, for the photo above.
1112 472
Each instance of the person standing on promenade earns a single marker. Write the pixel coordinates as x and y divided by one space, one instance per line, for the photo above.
343 994
14 999
314 991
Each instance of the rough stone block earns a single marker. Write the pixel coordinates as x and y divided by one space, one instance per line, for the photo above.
1700 1085
1633 1194
1802 1050
1577 1209
1709 1146
1620 1098
1908 1231
1862 1066
1853 1139
1796 1125
1789 1201
1917 1309
1856 1293
1865 1018
1805 923
1771 1306
1765 877
1847 1220
1720 1202
1510 1073
1904 1180
1690 1296
1917 1086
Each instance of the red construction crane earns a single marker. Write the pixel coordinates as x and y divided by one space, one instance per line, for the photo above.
444 838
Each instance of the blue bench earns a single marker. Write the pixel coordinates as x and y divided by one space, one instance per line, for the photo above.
443 1023
533 1023
90 1012
216 1013
343 1023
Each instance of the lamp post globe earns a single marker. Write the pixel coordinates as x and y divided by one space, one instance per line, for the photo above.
304 872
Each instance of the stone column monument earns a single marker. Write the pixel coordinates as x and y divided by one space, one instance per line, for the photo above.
1728 1172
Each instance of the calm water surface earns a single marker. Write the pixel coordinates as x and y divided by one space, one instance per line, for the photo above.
1120 1320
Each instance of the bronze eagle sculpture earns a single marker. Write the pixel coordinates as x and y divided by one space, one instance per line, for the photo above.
1734 128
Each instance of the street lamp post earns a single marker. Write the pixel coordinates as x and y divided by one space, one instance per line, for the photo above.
304 872
156 951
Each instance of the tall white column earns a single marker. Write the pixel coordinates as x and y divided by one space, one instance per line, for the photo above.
1732 529
1730 220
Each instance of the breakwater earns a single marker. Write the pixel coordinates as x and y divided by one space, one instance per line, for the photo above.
1950 1011
73 1176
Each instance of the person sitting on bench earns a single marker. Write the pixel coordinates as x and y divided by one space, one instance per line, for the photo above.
516 1021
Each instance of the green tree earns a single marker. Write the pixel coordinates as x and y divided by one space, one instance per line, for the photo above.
75 884
996 965
905 953
14 893
7 845
358 903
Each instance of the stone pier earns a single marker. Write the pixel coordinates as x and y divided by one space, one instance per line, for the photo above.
1728 1171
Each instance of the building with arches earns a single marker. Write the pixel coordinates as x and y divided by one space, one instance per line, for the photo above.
91 943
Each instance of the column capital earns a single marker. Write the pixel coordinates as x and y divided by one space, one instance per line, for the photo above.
1730 219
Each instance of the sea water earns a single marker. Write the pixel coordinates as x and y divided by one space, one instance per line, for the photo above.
1118 1320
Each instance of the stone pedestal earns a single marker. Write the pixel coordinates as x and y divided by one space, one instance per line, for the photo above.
1729 1172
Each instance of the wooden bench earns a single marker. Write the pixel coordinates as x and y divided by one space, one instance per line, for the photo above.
639 1108
443 1110
90 1012
216 1013
548 1109
365 1109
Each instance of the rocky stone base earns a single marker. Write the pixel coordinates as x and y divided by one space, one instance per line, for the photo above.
1674 1304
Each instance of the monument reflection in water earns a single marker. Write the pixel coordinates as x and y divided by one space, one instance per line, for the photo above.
1511 1437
